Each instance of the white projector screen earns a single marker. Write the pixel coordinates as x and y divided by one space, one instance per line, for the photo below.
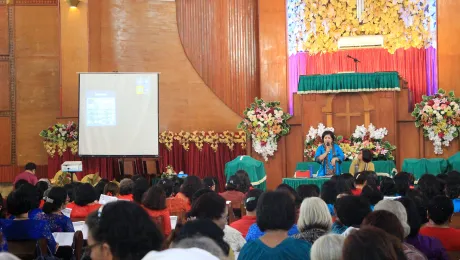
118 114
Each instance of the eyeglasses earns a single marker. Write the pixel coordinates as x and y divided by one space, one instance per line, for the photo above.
88 248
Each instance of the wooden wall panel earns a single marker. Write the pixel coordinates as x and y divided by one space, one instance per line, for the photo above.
142 36
408 142
37 77
294 153
448 42
220 40
74 53
4 84
5 144
8 173
3 30
273 79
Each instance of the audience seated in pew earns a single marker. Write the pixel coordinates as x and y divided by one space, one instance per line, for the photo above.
85 201
314 220
208 183
250 203
328 247
141 185
122 230
111 189
22 227
329 195
307 190
126 190
154 203
350 211
33 198
275 216
232 193
191 185
55 202
41 186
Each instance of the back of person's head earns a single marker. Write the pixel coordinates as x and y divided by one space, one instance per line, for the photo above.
18 202
251 199
372 194
327 247
233 183
367 155
289 191
19 183
372 243
191 185
100 187
351 210
275 211
111 189
155 198
442 178
429 186
202 227
314 213
440 209
141 185
167 186
453 185
30 166
201 242
386 221
209 183
125 229
420 203
41 188
329 192
407 176
360 177
307 191
8 256
32 194
345 184
85 194
56 199
126 186
244 180
413 218
402 185
198 194
70 189
387 187
398 209
210 206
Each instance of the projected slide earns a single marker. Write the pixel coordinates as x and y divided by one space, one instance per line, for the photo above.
101 108
118 114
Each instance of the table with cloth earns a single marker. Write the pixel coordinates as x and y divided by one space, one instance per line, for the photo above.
454 162
419 167
388 167
296 182
254 168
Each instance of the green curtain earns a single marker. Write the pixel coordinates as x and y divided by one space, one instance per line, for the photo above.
349 82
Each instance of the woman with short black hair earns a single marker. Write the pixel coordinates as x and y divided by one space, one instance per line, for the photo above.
363 162
56 201
141 185
85 201
275 216
122 230
155 203
329 155
191 185
111 189
250 203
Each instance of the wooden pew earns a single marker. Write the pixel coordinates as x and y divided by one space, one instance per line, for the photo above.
26 249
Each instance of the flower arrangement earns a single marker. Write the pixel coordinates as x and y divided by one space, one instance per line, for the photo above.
363 138
170 173
439 115
265 122
315 26
59 137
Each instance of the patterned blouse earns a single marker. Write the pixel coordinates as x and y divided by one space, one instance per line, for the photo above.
28 229
310 235
57 222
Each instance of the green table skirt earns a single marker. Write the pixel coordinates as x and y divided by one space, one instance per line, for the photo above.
349 82
419 167
294 183
380 166
454 162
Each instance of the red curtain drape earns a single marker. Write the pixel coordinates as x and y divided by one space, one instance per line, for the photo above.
204 163
410 63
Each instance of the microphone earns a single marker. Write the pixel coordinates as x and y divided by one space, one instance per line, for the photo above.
353 58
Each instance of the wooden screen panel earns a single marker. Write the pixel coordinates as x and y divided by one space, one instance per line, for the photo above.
4 86
294 150
3 30
5 137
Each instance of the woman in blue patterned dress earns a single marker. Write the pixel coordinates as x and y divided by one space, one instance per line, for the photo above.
329 155
56 201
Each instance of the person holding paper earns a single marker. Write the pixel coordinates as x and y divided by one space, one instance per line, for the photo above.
55 202
329 155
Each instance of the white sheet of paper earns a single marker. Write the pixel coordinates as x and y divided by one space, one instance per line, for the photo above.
104 199
66 212
63 238
173 221
80 225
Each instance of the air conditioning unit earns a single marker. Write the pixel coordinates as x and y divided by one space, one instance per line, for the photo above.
362 41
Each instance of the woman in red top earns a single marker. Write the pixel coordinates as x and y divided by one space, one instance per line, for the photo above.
126 189
175 205
233 194
250 203
85 201
154 203
440 210
191 185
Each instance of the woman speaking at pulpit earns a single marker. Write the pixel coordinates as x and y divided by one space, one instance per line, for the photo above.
329 155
